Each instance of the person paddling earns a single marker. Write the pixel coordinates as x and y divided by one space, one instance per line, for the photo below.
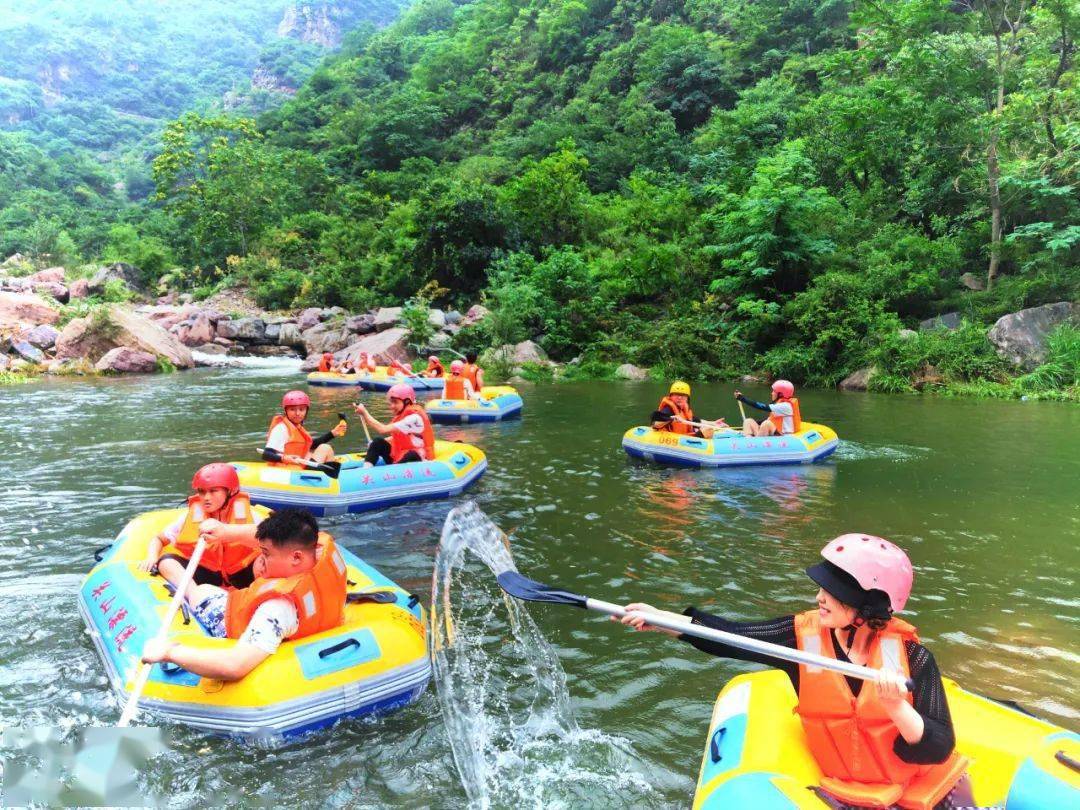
222 514
457 385
674 415
784 416
299 591
877 745
326 362
472 372
288 442
411 435
434 367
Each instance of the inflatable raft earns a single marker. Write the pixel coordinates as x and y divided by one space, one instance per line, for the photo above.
496 402
381 379
375 662
756 753
812 443
456 466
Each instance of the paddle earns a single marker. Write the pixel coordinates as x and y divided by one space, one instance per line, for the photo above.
520 586
396 365
742 410
143 675
330 468
364 423
706 423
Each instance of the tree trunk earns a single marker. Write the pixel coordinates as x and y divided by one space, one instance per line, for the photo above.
993 169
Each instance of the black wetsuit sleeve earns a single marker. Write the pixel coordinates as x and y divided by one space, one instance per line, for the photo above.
326 438
663 415
938 738
779 631
761 406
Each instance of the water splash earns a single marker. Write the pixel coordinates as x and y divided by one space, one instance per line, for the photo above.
503 692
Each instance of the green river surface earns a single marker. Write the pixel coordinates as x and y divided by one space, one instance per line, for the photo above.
984 496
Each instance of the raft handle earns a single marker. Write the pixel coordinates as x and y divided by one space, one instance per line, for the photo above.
1067 761
99 553
714 744
342 645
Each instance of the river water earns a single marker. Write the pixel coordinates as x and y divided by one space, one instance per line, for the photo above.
984 495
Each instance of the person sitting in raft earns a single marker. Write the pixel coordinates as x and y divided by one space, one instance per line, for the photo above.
784 416
457 385
673 413
222 514
411 435
299 591
326 362
472 372
364 363
434 367
287 442
876 744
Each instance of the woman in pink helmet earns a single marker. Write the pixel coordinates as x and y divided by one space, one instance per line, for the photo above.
288 442
877 744
784 416
411 435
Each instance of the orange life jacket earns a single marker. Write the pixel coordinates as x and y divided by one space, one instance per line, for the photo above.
455 388
225 558
435 369
675 426
318 595
401 443
326 363
471 372
299 441
852 738
796 417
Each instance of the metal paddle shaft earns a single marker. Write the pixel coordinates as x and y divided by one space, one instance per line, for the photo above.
330 468
363 423
132 705
705 423
520 586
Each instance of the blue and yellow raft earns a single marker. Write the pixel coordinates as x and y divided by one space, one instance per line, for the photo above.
730 448
756 753
456 466
496 402
381 379
376 661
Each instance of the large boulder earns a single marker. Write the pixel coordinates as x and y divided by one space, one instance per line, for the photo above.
52 288
309 318
127 273
475 314
80 288
453 316
18 310
972 282
197 331
43 336
326 337
437 318
28 352
57 275
290 335
386 346
386 317
123 360
950 320
630 372
251 330
1021 336
526 352
439 341
273 332
361 324
858 380
111 327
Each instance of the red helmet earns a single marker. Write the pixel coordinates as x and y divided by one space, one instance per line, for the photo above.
402 391
457 367
295 398
217 475
874 563
784 389
433 359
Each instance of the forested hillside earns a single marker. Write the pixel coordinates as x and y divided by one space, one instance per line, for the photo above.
86 86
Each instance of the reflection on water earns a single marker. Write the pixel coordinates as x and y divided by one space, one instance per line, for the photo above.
986 507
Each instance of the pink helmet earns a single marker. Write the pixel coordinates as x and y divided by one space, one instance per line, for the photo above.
457 367
294 398
875 563
433 359
402 391
217 475
784 389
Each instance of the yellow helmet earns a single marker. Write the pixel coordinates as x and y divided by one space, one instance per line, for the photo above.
679 387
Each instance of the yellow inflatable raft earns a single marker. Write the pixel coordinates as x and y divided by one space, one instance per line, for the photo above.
729 448
756 754
375 662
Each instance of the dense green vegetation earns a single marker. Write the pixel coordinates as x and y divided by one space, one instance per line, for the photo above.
706 187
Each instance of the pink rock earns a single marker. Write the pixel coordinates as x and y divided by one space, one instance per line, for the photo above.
308 318
53 288
123 360
54 274
476 313
80 288
24 309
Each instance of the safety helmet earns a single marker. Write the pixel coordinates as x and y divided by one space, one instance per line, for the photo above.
295 398
433 359
327 354
784 389
217 475
457 367
679 387
402 391
856 565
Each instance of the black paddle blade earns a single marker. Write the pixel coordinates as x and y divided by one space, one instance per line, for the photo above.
530 590
341 416
331 468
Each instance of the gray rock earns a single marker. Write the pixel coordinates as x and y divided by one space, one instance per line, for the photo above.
186 298
211 348
437 318
859 380
42 336
5 361
628 371
386 346
453 316
52 288
263 350
906 334
290 335
326 337
127 273
279 319
14 259
308 318
28 352
115 327
950 320
361 324
169 298
332 312
440 340
273 332
476 313
527 352
249 330
973 282
124 360
386 317
1021 337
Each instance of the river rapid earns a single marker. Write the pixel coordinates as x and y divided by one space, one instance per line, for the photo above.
984 495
